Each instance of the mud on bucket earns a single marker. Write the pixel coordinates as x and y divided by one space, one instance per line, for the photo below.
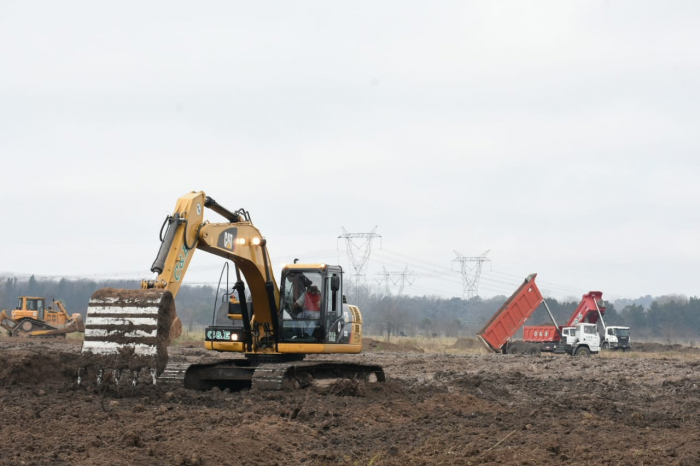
128 329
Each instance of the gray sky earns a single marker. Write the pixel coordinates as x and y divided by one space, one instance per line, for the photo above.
562 136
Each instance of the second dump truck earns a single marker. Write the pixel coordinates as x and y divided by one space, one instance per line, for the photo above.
581 339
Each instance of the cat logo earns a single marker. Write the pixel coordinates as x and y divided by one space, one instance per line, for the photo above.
228 240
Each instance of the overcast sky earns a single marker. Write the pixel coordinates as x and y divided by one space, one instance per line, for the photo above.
561 136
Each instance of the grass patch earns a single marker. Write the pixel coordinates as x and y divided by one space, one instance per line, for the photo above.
435 345
196 335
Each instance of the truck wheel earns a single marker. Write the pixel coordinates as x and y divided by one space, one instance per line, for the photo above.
514 350
606 346
533 352
582 351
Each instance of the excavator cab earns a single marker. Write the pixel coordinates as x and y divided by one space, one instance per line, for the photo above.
311 303
311 311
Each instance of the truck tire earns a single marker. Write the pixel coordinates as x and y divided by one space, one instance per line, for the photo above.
582 351
606 346
514 350
533 351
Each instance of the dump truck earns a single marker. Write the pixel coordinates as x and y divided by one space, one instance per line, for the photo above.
498 332
32 318
590 310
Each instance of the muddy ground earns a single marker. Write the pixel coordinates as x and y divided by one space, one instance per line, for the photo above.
433 409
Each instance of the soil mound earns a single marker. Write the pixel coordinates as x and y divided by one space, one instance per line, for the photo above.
31 368
375 346
661 348
467 344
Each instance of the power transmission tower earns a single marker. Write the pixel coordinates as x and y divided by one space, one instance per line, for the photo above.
470 267
359 248
397 279
390 314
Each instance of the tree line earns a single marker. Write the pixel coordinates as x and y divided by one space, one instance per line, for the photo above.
673 318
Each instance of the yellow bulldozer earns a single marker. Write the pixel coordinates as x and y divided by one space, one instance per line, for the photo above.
32 318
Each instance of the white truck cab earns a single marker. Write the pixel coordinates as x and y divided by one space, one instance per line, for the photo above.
581 340
616 338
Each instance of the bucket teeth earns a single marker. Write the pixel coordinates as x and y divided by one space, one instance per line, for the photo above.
128 329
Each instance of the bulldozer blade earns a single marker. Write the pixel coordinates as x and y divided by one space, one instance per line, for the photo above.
128 329
77 324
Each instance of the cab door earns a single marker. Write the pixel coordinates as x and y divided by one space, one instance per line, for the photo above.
333 306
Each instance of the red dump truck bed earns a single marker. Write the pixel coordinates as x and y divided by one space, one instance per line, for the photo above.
541 333
512 314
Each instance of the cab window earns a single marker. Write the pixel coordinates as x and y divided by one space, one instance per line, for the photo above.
301 306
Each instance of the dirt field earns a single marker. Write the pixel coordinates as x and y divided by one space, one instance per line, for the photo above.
643 408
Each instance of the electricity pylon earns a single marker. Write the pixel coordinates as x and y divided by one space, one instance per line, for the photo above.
359 248
397 279
470 268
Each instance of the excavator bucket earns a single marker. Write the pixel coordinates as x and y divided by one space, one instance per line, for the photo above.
128 330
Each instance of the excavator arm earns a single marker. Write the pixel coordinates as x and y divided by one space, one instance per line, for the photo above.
238 240
132 328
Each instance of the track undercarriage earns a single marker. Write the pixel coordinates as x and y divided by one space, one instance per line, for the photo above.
276 373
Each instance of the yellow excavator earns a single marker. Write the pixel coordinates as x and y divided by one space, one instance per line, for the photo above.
31 318
275 328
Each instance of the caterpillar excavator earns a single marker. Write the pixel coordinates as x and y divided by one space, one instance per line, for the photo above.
31 318
129 330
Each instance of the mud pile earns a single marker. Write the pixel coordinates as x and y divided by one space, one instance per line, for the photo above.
468 344
377 346
33 368
663 348
433 409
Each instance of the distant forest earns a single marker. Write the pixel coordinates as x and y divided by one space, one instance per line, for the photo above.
672 318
